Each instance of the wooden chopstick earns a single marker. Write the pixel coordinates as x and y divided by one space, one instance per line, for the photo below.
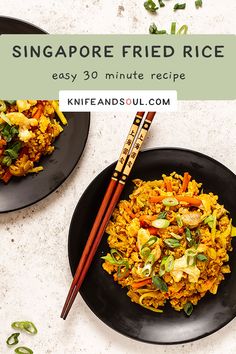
120 186
110 189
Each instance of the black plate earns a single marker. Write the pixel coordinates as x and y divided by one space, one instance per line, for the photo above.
24 191
108 300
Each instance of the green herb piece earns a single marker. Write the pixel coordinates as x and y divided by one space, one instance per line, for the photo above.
114 257
188 308
179 6
8 132
162 215
23 350
13 339
169 264
170 201
7 161
191 260
11 101
189 237
198 3
161 223
201 257
150 6
183 30
147 269
178 237
179 220
152 240
172 242
159 283
161 3
173 28
3 106
162 269
125 267
25 326
153 30
145 252
13 150
209 220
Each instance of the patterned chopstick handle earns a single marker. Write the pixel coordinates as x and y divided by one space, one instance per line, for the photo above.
127 146
137 146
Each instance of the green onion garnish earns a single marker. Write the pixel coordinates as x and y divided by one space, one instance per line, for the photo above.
188 308
23 350
189 237
198 3
150 6
26 326
150 242
179 6
153 30
201 257
161 223
162 215
159 283
13 339
172 242
170 201
161 3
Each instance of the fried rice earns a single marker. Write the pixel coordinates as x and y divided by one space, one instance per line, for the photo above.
169 242
28 129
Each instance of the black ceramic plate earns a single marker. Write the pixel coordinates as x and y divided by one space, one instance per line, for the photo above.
109 301
24 191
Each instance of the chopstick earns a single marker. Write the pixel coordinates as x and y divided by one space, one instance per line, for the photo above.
110 189
126 161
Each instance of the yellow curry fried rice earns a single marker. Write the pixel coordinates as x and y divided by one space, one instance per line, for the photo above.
28 129
169 242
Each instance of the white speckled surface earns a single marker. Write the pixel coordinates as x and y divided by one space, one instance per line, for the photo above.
34 269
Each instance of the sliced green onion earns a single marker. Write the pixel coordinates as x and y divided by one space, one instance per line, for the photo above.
26 326
169 264
191 260
188 308
179 220
162 269
179 6
5 118
111 258
209 220
153 30
3 106
147 269
23 350
159 283
170 201
125 266
201 257
173 28
13 339
7 161
189 237
171 242
183 30
11 101
162 215
178 237
161 223
161 3
150 6
150 242
145 252
198 3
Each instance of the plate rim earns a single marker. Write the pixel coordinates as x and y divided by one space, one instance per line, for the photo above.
155 149
23 22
